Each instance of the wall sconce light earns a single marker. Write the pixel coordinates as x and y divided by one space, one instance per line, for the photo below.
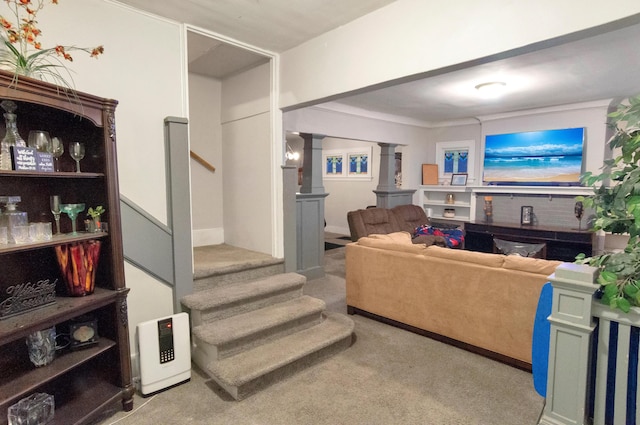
291 155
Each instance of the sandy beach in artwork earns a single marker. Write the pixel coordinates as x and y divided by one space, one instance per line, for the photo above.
561 178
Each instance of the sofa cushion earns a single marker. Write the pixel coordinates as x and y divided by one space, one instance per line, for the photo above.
396 243
481 258
530 265
405 237
400 237
410 216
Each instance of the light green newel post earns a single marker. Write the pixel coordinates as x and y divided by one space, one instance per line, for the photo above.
572 327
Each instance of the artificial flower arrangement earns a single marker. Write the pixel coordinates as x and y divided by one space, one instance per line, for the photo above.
23 53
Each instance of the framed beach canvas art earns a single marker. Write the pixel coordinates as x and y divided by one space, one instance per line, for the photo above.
547 157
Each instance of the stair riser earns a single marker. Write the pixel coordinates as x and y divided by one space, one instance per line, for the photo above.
248 342
244 306
241 276
286 371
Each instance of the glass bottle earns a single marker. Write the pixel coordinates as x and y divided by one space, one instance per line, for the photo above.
12 137
15 220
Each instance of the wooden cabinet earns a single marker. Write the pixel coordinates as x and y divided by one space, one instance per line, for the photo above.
86 381
561 244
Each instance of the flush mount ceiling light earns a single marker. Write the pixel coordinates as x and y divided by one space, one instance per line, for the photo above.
493 88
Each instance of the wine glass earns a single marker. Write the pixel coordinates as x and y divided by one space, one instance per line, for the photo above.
40 140
72 211
56 148
54 204
76 150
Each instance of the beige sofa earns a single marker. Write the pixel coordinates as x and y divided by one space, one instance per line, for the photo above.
483 302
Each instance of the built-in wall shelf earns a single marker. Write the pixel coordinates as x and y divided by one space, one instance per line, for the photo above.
433 197
434 200
534 190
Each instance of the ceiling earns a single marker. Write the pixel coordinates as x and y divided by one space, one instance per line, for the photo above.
274 25
602 67
598 67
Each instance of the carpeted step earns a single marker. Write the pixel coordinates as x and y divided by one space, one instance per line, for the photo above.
226 337
228 300
252 370
222 264
206 279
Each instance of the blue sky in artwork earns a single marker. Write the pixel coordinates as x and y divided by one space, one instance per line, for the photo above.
564 142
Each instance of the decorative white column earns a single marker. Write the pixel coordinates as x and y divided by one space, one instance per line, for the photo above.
572 326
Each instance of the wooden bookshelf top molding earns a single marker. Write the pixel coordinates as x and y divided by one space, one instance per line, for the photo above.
26 89
523 190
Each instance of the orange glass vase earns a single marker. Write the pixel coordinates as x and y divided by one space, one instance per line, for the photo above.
78 264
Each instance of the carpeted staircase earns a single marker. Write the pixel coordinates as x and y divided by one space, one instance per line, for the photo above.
250 334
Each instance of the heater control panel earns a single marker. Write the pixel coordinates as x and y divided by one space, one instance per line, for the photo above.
165 338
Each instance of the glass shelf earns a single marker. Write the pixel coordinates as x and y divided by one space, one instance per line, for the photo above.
56 240
58 174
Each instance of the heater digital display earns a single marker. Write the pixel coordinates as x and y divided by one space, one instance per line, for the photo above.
165 337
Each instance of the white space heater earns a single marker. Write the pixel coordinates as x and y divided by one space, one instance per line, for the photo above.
165 353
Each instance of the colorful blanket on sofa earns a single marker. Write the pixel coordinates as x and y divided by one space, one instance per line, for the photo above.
452 237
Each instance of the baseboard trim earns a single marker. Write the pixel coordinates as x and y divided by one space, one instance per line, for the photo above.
206 237
519 364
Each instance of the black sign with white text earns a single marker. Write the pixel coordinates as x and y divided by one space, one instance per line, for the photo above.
29 159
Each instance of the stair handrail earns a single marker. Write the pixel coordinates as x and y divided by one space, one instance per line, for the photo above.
202 161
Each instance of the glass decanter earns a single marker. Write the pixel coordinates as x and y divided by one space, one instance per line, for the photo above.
12 137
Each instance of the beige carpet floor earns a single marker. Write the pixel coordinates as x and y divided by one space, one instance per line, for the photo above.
388 376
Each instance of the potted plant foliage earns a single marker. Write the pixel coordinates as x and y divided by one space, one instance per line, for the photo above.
95 213
616 204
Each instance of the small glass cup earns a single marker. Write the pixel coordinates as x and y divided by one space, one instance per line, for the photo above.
42 346
35 232
47 231
20 234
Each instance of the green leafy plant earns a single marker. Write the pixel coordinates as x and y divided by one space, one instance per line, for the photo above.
22 52
616 203
95 213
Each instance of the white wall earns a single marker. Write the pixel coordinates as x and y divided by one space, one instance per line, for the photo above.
416 154
345 129
145 76
143 68
410 37
247 153
418 145
205 136
348 194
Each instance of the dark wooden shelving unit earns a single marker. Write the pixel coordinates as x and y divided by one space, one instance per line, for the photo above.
88 381
561 243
